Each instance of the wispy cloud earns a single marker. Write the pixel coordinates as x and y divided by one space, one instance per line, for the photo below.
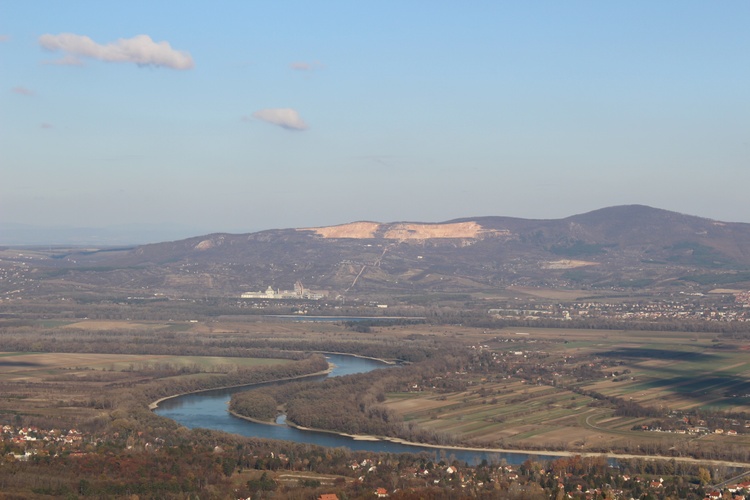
286 118
66 60
46 125
22 91
140 50
305 66
4 38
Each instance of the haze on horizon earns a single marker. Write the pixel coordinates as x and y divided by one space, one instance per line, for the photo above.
242 116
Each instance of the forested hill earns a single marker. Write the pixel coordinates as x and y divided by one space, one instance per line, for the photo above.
614 247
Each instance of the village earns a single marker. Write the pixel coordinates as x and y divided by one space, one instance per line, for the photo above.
693 308
585 478
588 478
22 443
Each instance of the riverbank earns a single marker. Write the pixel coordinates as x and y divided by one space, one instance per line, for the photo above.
540 453
354 437
555 453
331 366
154 405
250 419
384 361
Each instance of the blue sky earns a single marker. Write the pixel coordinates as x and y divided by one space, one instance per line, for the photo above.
239 116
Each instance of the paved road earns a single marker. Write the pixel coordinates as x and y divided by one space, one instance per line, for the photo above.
735 479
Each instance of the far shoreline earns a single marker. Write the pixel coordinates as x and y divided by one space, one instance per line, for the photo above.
154 405
518 451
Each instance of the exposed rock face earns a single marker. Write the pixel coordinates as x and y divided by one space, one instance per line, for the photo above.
403 231
357 230
204 245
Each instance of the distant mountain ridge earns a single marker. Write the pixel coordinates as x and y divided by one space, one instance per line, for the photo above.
613 247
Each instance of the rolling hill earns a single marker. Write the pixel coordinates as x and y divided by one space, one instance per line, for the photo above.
631 246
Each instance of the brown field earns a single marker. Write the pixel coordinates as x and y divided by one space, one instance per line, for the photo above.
37 366
676 370
550 293
40 366
121 325
497 416
71 386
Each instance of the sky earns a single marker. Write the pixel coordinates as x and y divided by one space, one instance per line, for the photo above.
238 116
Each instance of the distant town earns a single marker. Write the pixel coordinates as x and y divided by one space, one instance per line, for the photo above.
684 308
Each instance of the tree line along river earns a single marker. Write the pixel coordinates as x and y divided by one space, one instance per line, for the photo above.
209 410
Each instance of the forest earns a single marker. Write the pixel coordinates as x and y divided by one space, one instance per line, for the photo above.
351 405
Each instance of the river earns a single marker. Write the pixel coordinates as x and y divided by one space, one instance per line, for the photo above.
208 410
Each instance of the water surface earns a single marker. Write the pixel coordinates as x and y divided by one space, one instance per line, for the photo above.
209 410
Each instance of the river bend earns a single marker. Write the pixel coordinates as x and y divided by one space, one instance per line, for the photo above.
208 410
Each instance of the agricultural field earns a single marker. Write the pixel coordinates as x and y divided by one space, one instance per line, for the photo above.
680 376
72 385
76 369
37 367
117 325
497 413
677 374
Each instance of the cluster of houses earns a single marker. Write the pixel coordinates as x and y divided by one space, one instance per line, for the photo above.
693 430
28 441
738 491
438 474
742 298
508 474
657 310
681 424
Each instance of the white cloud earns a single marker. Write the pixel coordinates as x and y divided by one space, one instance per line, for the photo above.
283 117
22 91
140 49
4 38
46 125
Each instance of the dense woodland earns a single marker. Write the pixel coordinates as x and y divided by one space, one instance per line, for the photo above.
350 405
24 337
